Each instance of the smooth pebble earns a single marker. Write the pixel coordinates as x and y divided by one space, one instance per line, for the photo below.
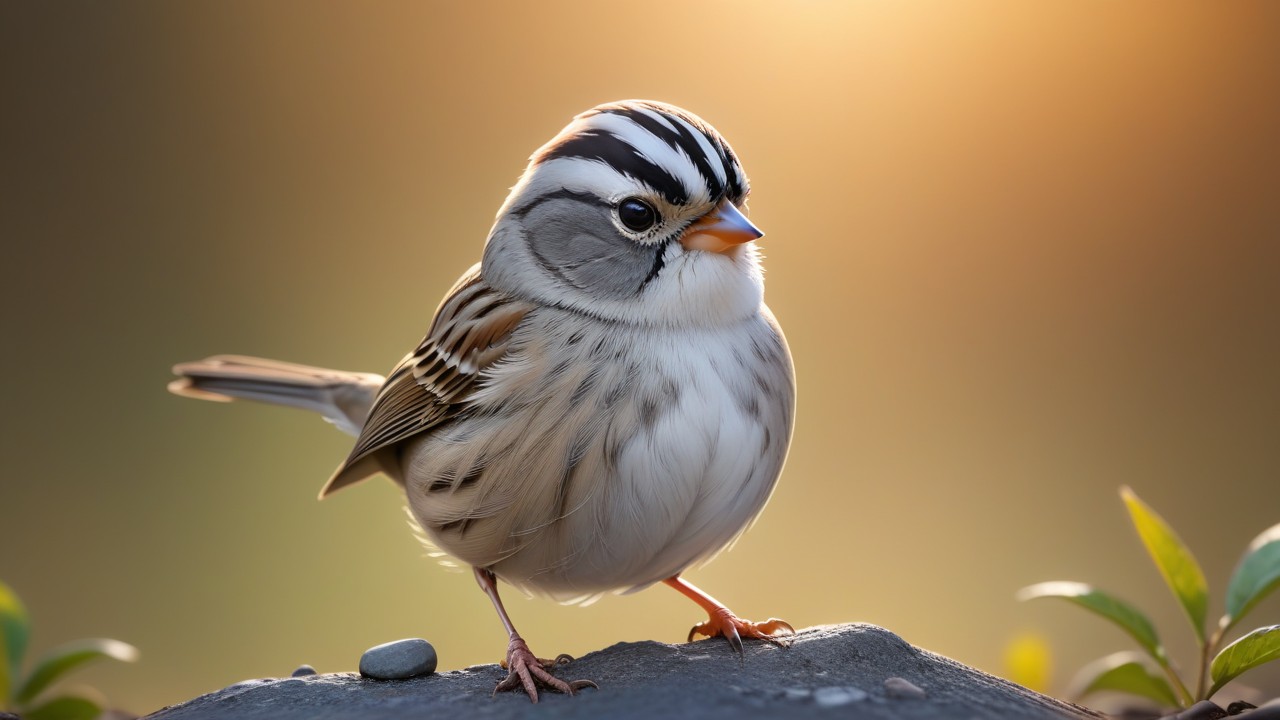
836 696
303 671
796 693
398 660
901 689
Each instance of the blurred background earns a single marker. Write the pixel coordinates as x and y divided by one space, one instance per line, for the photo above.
1024 253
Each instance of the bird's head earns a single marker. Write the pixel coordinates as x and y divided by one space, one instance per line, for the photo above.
633 212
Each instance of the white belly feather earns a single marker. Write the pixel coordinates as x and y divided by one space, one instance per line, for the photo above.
647 454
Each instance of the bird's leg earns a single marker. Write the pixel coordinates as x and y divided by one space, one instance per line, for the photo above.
525 670
722 621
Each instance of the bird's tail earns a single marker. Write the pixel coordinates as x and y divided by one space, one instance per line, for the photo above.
342 398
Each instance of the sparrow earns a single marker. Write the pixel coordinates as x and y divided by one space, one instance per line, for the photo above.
601 403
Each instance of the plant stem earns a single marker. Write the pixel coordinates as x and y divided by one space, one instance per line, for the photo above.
1204 672
1206 652
1187 699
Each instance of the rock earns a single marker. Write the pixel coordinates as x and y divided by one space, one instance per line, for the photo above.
1203 710
792 693
828 671
899 689
1267 711
837 696
399 660
303 671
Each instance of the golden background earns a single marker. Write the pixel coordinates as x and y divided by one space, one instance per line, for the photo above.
1024 253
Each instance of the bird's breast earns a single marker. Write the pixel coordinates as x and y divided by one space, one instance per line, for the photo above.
603 457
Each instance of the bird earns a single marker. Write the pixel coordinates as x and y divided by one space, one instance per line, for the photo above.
601 403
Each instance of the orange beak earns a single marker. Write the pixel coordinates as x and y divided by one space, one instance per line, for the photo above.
717 231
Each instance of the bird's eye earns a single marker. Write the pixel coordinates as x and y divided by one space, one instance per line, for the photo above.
637 214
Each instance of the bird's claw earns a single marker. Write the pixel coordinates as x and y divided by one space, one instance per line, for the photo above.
733 628
527 672
561 659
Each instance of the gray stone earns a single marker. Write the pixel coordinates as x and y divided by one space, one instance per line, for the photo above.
303 671
1203 710
899 689
1267 711
399 660
651 679
797 693
837 696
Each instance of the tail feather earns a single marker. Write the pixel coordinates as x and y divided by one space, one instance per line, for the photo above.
343 398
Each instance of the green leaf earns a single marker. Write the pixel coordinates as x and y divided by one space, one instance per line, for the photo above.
66 707
1258 647
1257 575
15 627
63 659
1123 672
1176 563
1129 618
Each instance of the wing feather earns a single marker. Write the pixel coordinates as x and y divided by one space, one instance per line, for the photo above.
471 331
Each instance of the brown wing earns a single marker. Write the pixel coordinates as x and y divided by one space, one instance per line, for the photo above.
471 330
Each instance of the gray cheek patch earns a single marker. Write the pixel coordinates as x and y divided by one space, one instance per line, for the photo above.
578 244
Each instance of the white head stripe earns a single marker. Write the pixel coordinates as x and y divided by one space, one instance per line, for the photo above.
655 149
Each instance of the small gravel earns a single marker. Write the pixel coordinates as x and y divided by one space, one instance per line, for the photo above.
797 693
303 671
399 660
900 689
836 696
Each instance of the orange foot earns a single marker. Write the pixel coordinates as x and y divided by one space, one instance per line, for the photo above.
722 621
527 672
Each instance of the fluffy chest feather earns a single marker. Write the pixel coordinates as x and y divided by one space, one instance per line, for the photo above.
600 457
